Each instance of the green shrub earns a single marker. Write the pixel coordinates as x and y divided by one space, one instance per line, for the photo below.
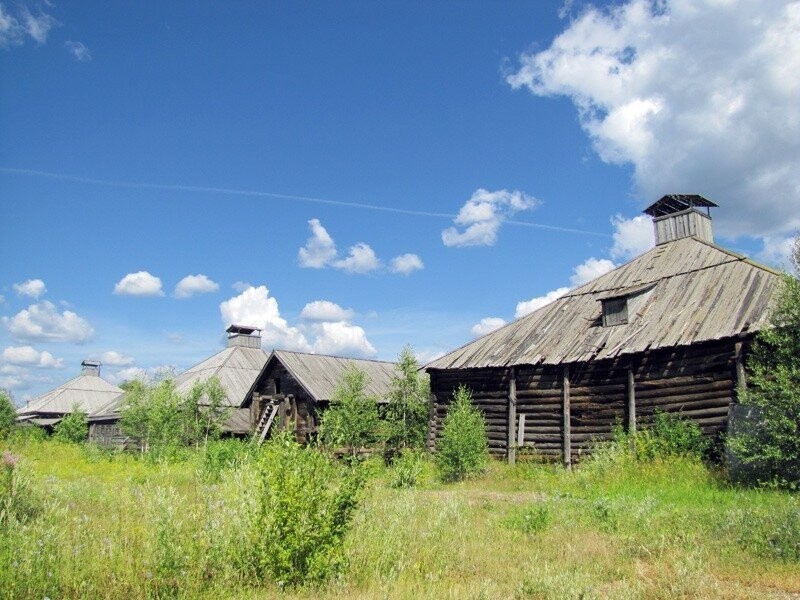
669 435
352 419
219 455
18 500
406 413
407 468
8 414
305 503
462 449
771 443
73 428
26 434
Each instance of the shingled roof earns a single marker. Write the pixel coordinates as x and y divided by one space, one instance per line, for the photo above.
319 374
691 291
237 369
87 392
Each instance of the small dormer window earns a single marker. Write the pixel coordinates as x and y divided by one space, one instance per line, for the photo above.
620 307
615 311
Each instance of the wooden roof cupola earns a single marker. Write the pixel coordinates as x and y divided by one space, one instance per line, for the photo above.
677 216
90 367
244 336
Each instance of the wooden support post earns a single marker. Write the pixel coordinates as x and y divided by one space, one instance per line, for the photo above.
741 378
521 431
512 417
565 414
631 402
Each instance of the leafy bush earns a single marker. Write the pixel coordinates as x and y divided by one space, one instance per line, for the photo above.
305 503
352 419
8 414
220 455
73 428
407 468
406 413
462 449
18 502
165 422
670 434
773 368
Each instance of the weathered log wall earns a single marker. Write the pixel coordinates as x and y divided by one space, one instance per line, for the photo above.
698 381
489 389
299 412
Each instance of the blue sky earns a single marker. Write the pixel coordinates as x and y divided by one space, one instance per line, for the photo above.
354 177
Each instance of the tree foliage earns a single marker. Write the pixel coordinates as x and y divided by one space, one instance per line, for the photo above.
352 419
8 414
462 449
407 410
305 504
773 389
163 420
73 428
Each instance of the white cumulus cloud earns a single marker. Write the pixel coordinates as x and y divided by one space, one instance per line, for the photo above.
777 252
192 285
255 307
405 264
319 250
528 306
582 273
487 325
113 358
342 339
324 310
32 287
632 237
482 215
140 283
699 97
29 356
43 322
590 269
362 259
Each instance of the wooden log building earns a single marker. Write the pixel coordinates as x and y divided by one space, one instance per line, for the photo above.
667 330
237 367
295 388
86 392
266 392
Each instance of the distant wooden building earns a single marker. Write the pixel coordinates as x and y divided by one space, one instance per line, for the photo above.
237 367
291 387
295 388
668 330
87 393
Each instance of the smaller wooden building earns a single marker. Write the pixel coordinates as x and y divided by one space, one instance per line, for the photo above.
298 387
87 392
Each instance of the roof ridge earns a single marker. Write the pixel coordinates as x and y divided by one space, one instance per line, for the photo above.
373 360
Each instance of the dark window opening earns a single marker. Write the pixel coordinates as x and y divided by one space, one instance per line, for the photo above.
277 385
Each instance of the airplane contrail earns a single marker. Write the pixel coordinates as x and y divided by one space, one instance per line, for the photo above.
261 194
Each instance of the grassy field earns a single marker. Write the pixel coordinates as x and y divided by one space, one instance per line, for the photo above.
94 525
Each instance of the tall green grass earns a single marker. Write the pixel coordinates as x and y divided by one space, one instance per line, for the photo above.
93 524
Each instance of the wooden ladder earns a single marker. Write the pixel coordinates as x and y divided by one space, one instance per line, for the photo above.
264 423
